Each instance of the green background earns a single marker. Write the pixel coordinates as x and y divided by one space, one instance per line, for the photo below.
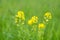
9 30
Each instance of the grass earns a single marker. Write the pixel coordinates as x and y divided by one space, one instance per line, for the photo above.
9 30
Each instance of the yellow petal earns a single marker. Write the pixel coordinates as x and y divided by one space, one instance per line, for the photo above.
48 15
30 22
41 25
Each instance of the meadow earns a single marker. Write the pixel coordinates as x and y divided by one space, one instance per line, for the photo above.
22 30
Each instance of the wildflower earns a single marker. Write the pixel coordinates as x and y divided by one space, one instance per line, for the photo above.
48 15
41 25
21 15
19 18
35 19
30 22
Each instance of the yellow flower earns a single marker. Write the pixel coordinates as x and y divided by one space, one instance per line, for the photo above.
30 22
21 15
48 15
35 19
41 25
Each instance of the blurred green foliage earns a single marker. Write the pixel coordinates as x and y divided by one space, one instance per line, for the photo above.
9 30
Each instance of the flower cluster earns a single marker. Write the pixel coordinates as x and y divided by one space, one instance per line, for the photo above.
19 17
47 16
34 23
33 20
